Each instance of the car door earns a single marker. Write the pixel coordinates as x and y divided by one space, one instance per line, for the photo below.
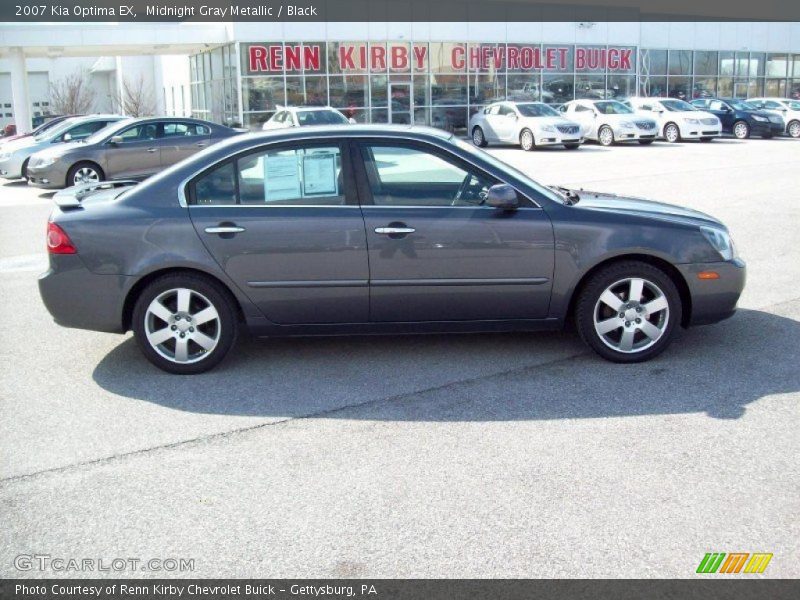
181 139
435 252
585 116
134 152
284 223
507 123
492 123
723 112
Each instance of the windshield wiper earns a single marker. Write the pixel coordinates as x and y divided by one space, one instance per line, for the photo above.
570 196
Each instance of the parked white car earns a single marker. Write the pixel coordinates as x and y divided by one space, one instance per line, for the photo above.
610 121
678 120
785 107
301 116
529 124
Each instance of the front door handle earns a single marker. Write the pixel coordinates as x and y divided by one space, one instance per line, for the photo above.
224 229
394 230
152 149
201 144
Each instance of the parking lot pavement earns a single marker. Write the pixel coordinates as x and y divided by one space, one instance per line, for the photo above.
442 456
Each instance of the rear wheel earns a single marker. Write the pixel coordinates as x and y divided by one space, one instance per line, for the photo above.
672 133
478 138
793 129
85 172
184 323
741 130
24 171
628 311
526 140
605 135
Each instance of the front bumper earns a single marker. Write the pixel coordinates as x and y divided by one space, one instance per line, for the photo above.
714 299
548 138
696 132
78 298
759 128
622 135
11 168
51 177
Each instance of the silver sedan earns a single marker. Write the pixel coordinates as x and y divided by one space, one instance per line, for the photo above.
529 124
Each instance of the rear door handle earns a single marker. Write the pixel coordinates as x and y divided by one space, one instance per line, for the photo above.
225 229
201 144
392 230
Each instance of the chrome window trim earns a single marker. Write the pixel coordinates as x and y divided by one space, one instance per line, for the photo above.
183 201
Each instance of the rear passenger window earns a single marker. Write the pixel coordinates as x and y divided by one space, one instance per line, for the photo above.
305 176
294 176
184 129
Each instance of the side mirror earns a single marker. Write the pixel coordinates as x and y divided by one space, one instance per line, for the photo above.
66 137
502 196
116 139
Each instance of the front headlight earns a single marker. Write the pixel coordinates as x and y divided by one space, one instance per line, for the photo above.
761 119
721 240
548 128
46 162
692 121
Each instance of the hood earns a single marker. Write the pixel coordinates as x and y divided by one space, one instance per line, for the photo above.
58 150
555 121
19 144
643 208
698 114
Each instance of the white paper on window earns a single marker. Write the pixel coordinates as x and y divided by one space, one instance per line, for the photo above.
319 175
281 178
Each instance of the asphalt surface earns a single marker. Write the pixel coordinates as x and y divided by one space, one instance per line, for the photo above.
518 455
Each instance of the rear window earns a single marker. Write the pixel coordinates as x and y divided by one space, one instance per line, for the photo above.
320 117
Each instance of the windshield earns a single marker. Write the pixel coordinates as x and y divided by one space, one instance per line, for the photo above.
792 104
612 107
106 131
741 105
677 105
320 117
536 109
56 130
497 163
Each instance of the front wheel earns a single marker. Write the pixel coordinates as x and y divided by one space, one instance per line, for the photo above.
605 135
84 172
671 133
628 312
794 129
741 130
526 140
184 323
478 138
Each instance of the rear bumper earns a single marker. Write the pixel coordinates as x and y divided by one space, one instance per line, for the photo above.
78 298
714 299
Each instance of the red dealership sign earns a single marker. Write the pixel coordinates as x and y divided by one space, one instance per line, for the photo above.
401 57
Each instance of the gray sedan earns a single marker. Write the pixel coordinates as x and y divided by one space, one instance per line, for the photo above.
375 229
132 149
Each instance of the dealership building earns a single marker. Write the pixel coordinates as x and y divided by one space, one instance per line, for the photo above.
419 72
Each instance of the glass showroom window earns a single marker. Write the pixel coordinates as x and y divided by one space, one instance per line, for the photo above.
652 73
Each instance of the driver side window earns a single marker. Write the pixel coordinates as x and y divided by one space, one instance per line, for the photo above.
409 176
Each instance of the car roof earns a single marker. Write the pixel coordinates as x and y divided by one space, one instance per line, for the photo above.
305 108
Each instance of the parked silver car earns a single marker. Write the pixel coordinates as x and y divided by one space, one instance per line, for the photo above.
529 124
15 156
132 149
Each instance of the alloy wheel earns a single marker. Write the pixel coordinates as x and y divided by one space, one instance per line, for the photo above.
794 129
671 133
631 315
741 130
86 175
182 325
526 140
477 136
606 136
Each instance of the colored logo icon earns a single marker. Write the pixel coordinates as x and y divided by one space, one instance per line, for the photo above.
734 562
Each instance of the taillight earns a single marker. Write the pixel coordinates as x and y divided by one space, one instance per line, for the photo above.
58 241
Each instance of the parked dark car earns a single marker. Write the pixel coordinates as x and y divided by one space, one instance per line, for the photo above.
741 119
375 229
132 149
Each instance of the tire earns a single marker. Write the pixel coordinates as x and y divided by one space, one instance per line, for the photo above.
672 133
646 142
526 140
741 130
24 170
478 138
156 316
605 136
572 146
624 340
793 129
83 170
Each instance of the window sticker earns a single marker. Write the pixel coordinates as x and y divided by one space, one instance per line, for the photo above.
319 175
281 178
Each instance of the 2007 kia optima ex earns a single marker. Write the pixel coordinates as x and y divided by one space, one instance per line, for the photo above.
375 229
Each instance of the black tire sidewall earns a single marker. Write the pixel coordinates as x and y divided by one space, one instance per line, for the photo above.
597 284
218 297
